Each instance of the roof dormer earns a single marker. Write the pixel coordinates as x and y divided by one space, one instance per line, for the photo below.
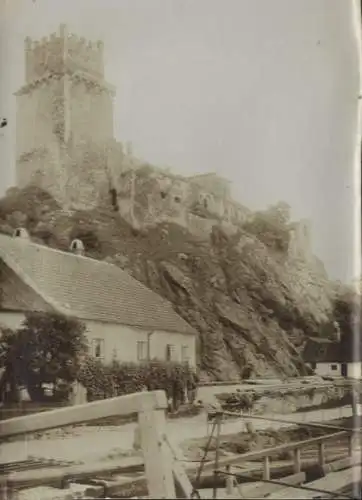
21 232
77 247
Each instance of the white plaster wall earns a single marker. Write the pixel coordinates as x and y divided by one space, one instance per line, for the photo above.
325 369
354 370
11 320
121 342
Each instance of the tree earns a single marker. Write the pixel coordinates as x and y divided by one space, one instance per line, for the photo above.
48 348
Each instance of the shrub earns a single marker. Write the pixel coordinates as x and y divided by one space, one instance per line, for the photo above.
116 379
47 348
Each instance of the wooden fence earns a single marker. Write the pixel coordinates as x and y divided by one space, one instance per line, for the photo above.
150 407
161 461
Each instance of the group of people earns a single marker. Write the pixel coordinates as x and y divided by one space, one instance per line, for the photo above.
180 391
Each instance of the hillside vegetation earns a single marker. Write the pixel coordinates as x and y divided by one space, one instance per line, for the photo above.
251 304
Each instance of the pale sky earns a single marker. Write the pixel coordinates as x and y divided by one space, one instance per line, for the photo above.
265 92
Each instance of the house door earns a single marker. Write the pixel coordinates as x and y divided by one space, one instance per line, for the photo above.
344 369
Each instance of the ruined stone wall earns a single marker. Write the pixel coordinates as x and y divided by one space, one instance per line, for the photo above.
43 57
91 112
40 133
84 55
60 52
213 184
148 196
300 241
87 183
199 226
235 213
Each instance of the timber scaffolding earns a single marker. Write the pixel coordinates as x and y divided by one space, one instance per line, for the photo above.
162 473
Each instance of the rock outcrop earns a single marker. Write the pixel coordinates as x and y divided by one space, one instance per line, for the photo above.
252 308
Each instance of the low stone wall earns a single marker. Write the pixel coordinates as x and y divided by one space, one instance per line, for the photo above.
303 399
286 401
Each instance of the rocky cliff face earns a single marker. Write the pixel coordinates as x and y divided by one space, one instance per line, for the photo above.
252 308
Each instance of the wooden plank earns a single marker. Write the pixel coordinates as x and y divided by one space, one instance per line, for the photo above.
350 445
182 481
344 463
230 482
261 490
297 461
157 454
47 493
51 476
266 467
321 454
55 476
332 482
283 448
121 405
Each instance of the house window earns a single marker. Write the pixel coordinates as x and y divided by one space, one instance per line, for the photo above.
185 355
98 348
170 352
141 350
334 367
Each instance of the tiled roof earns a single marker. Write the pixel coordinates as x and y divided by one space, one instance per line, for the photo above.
89 289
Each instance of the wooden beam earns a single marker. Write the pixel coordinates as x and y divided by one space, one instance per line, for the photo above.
281 449
56 476
182 481
297 461
262 490
343 463
266 467
321 454
351 442
121 405
157 454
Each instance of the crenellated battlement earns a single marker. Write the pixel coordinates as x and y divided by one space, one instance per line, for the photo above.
60 52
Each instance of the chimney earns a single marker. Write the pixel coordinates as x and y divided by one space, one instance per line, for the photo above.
77 247
21 232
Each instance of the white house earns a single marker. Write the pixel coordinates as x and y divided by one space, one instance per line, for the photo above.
124 319
333 358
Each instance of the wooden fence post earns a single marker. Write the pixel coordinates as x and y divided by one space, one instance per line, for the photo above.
266 468
157 454
229 481
297 461
321 455
350 444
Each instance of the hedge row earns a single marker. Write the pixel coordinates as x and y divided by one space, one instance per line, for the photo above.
104 381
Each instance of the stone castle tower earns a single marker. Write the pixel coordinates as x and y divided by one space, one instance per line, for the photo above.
65 120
